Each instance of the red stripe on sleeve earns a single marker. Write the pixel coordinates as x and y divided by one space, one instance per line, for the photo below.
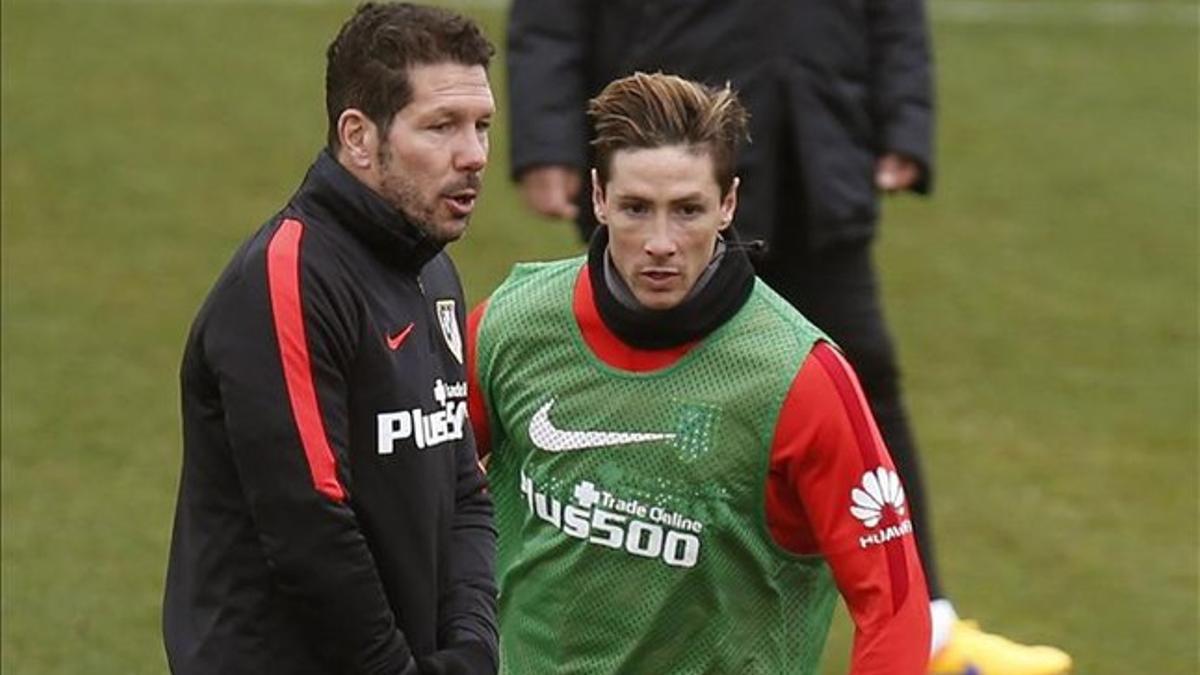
283 277
869 445
476 406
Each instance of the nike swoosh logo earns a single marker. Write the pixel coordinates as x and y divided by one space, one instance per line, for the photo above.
545 436
394 341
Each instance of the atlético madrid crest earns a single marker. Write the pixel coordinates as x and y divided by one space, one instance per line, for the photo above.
449 323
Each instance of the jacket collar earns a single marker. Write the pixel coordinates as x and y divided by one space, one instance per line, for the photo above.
386 232
717 297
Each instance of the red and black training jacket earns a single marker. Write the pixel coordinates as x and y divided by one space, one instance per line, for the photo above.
331 514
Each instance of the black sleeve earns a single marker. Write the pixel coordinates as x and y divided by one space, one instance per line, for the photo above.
547 83
279 344
468 629
902 81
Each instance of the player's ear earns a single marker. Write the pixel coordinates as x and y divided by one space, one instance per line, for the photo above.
729 203
599 208
359 138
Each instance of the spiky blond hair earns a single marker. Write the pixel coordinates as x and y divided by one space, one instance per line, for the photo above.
657 110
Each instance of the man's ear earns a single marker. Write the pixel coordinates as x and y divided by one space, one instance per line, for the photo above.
729 203
599 208
359 139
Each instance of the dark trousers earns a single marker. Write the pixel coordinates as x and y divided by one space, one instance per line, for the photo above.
837 289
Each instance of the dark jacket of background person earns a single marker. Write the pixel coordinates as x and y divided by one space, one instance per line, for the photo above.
316 530
830 84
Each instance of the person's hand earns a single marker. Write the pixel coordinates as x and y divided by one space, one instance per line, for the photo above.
895 172
551 190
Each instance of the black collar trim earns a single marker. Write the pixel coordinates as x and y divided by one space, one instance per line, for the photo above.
356 207
699 314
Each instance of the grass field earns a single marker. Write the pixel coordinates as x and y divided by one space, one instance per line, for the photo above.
1045 302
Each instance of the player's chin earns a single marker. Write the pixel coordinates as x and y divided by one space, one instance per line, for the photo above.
451 228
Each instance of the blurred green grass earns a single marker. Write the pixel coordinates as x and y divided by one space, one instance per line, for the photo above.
1045 303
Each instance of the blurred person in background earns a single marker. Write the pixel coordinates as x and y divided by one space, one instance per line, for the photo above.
685 470
841 109
331 515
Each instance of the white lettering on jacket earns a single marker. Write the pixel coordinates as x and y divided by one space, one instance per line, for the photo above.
427 429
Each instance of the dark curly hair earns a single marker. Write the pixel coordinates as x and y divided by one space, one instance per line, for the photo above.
367 63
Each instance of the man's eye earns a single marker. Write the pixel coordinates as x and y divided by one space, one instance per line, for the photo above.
483 125
441 127
635 209
691 210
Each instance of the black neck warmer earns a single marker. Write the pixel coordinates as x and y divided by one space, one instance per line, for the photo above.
385 230
715 299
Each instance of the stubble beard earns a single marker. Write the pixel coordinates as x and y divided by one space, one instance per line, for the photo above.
405 196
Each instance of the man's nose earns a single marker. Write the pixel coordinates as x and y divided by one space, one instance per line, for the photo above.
471 155
660 244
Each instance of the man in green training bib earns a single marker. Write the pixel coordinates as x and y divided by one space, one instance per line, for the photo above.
685 470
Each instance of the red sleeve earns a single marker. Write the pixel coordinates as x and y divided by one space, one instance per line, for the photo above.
476 407
833 490
276 343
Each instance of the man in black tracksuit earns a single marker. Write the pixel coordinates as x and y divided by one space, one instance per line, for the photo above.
332 517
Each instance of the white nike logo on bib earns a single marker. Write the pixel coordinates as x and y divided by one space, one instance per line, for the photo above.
545 436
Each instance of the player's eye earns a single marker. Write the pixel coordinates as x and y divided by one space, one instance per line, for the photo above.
635 209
